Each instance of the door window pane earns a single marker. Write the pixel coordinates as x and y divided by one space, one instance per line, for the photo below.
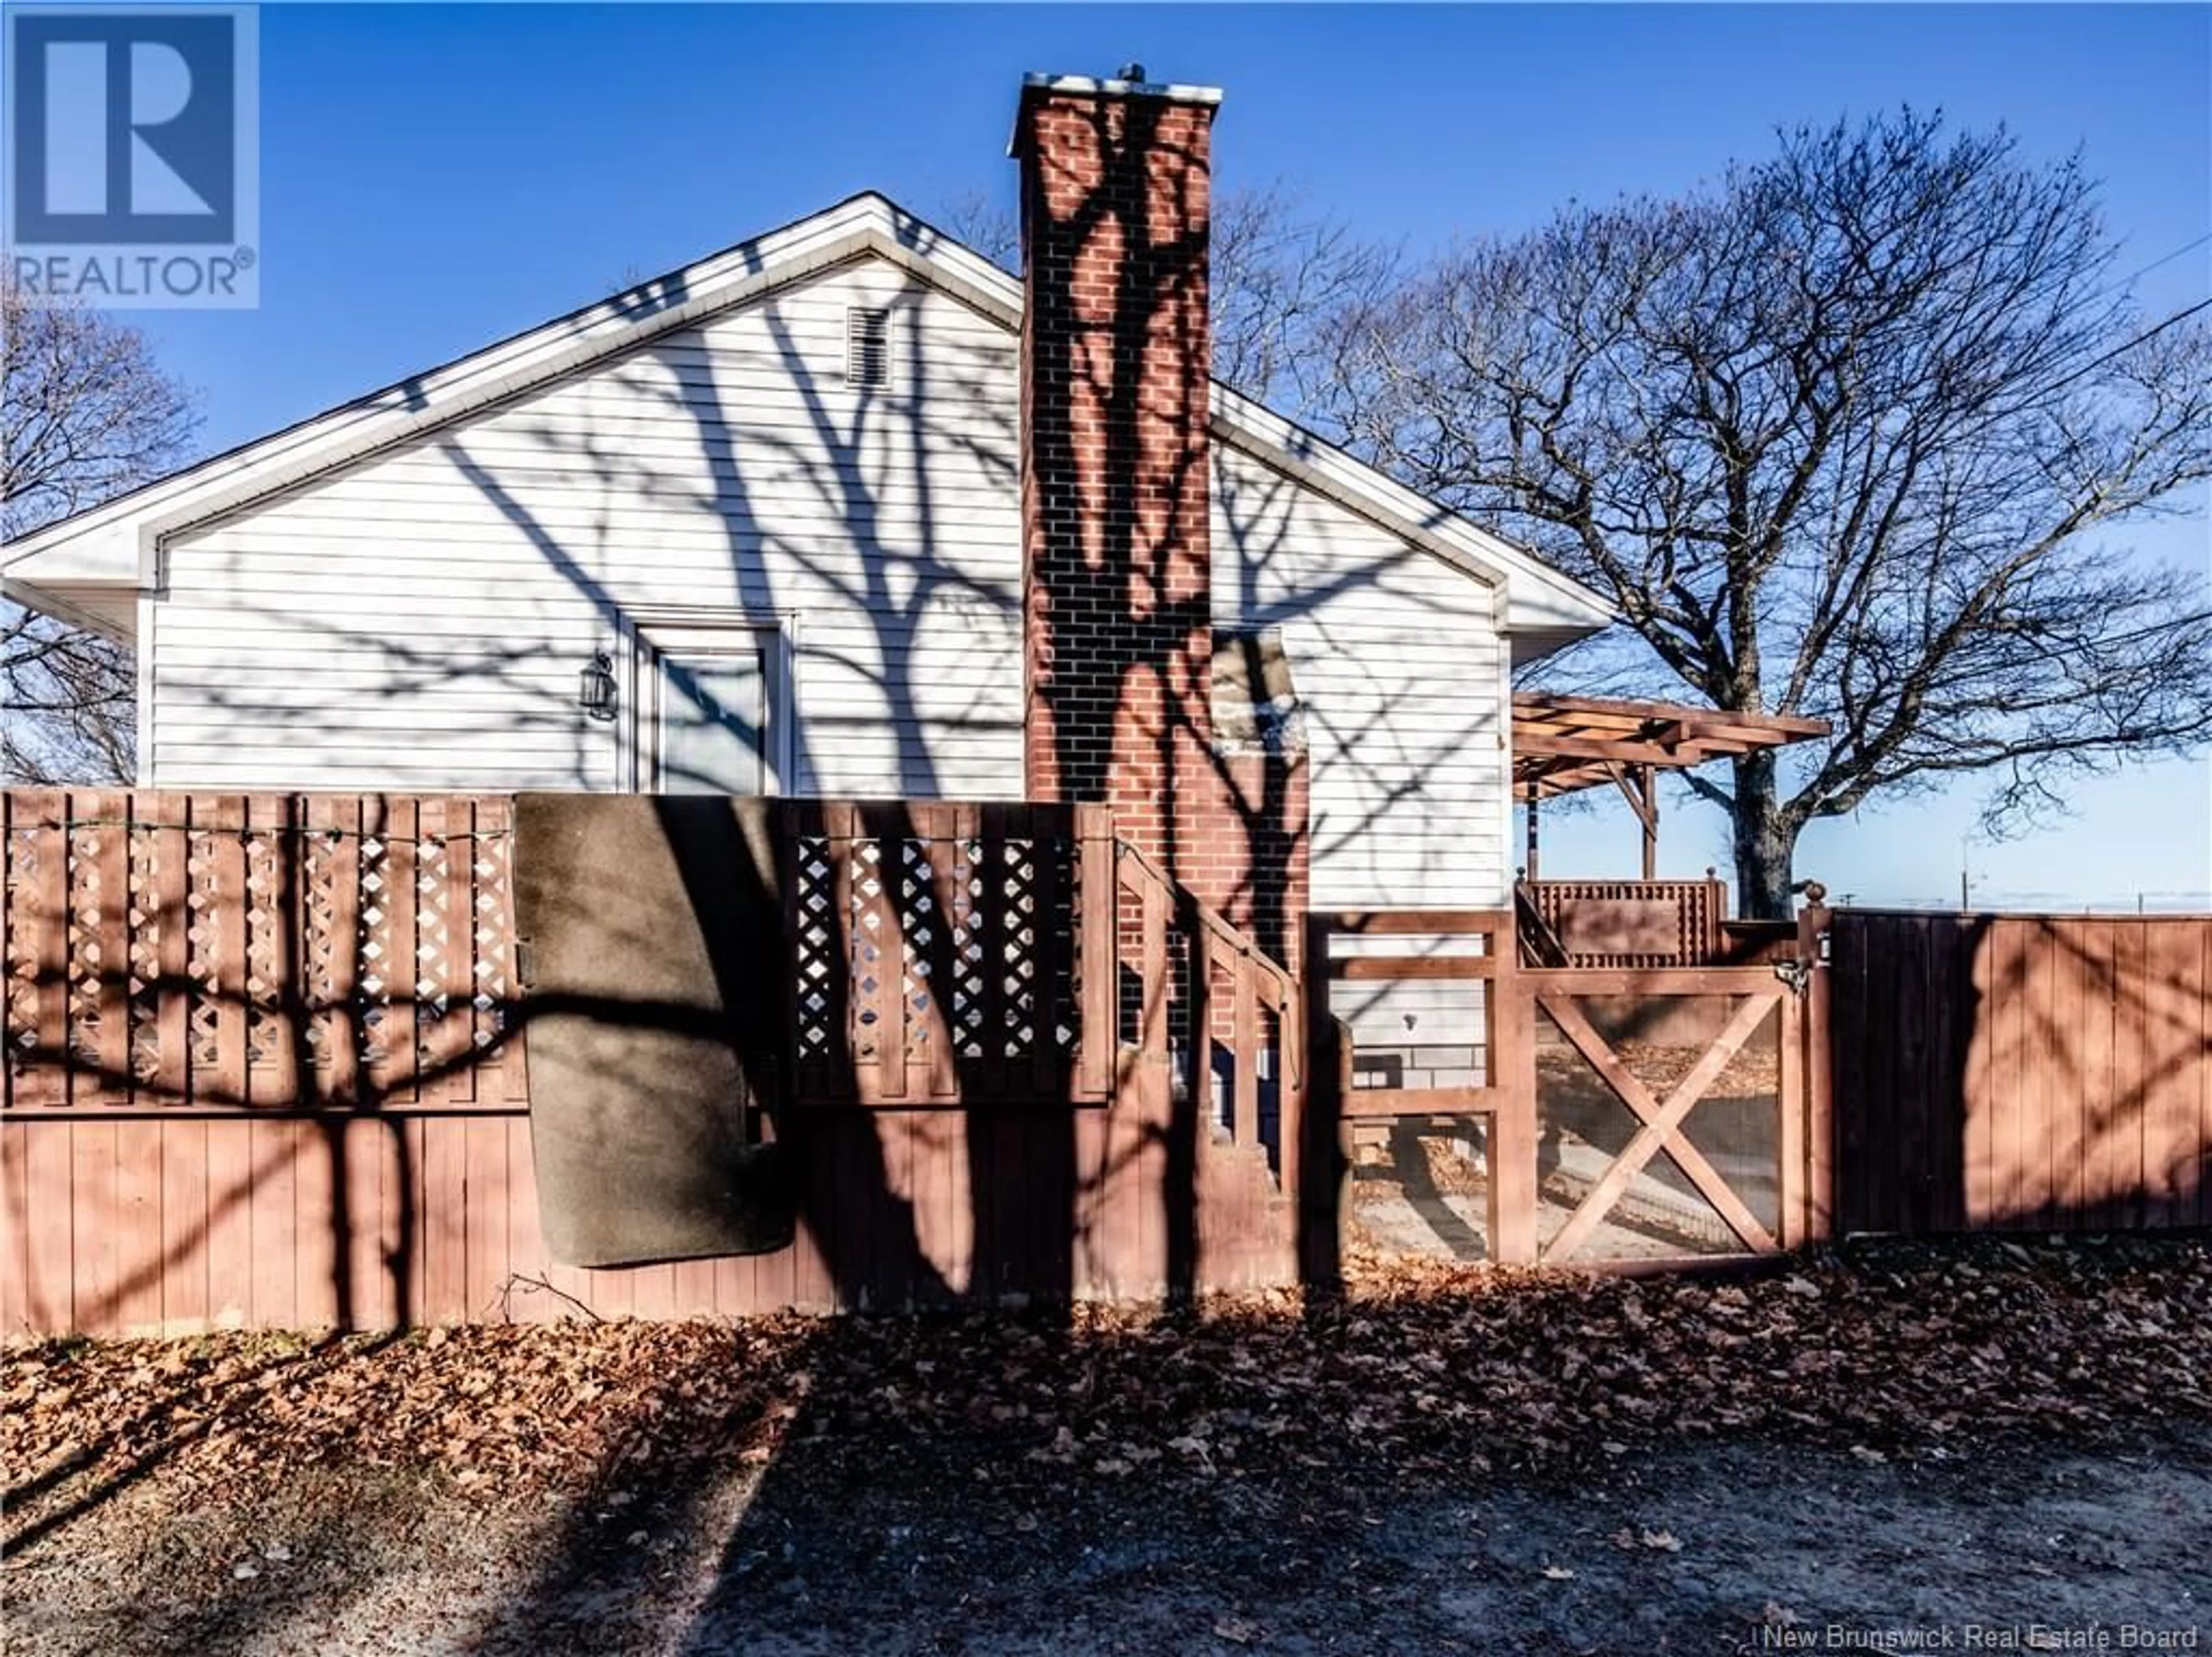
712 724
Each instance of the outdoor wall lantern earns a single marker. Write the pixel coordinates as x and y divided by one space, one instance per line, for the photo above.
595 690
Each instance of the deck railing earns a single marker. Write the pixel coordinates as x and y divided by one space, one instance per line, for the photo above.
1628 922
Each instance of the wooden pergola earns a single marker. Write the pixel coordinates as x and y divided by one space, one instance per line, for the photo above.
1562 744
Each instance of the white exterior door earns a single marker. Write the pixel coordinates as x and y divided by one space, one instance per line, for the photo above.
707 712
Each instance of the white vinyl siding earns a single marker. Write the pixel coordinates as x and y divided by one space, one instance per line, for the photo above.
418 620
1396 660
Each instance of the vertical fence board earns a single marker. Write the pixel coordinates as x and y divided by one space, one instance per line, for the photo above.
2156 992
226 919
493 967
171 902
457 1031
2014 943
404 1042
273 957
340 820
138 1224
1048 854
2043 1165
1095 1050
229 1225
444 1221
1988 1078
273 1145
565 1287
488 1193
183 1239
360 1147
16 1217
94 1251
49 907
49 1266
2126 1177
106 916
322 1225
652 1291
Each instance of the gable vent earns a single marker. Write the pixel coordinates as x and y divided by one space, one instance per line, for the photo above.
867 347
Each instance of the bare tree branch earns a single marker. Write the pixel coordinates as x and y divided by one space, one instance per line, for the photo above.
1284 272
1854 434
85 413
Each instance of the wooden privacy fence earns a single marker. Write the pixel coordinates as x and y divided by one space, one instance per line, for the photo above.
2022 1072
264 1067
182 952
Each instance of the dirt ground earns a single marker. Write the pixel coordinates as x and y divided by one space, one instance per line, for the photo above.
1482 1466
1734 1548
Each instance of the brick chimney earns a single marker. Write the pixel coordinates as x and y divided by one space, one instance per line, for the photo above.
1116 555
1116 353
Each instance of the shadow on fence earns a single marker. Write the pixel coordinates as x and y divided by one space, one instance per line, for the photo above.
2032 1073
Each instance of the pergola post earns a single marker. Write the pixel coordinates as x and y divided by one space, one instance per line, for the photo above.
1648 785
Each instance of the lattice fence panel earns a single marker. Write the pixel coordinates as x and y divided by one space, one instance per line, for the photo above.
151 847
1019 877
269 847
86 942
969 970
373 947
205 900
492 928
921 932
27 851
818 950
434 926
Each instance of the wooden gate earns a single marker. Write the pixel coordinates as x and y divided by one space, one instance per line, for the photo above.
1567 1116
1671 1111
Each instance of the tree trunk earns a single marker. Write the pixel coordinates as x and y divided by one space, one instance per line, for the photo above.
1765 839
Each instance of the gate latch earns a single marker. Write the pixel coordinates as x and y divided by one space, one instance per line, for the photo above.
1797 974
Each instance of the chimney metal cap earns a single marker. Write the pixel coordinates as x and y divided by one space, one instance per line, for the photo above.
1125 85
1036 84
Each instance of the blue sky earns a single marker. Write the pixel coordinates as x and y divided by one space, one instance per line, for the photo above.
435 178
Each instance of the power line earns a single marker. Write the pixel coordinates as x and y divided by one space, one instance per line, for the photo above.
2164 258
2125 346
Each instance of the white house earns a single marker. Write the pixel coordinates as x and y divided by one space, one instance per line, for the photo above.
795 495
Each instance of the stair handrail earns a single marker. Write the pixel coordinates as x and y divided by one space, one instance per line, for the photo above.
1220 926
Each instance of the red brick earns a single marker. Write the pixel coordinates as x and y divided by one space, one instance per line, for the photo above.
1117 350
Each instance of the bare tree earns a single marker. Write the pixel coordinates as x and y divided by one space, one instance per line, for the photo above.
1284 272
1851 435
85 412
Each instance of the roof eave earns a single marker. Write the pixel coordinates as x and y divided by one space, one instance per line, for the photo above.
226 481
1540 600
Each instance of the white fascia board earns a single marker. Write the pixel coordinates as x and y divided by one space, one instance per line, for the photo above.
1540 598
118 542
